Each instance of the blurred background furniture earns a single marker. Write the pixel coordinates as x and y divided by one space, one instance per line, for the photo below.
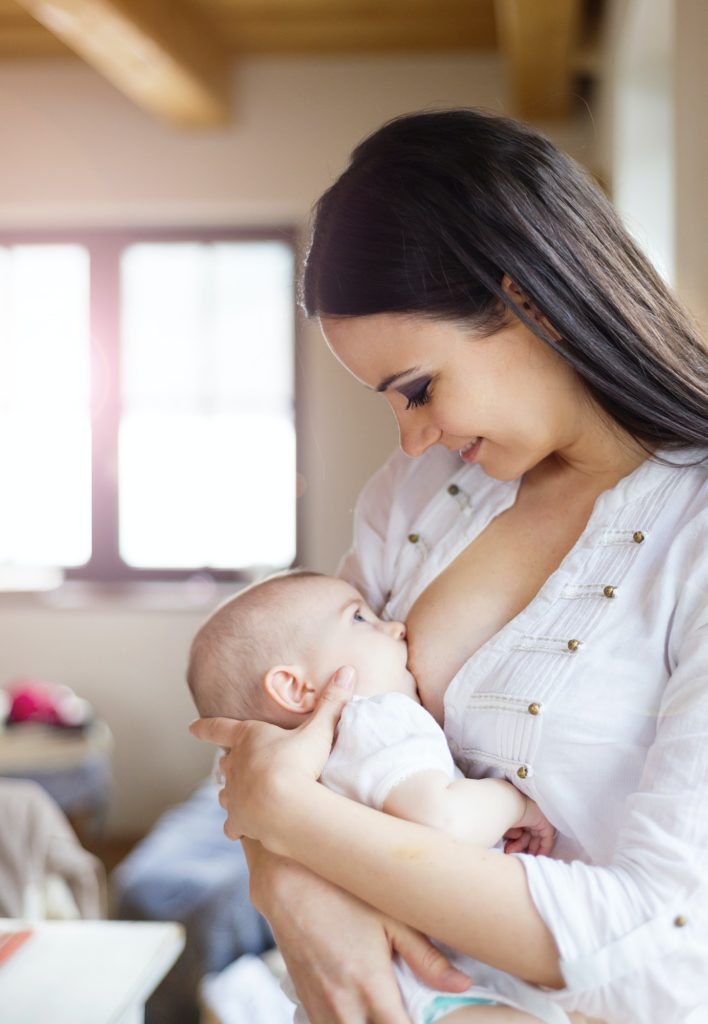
85 972
186 870
74 767
44 870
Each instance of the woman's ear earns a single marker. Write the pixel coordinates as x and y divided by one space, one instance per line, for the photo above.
524 303
288 687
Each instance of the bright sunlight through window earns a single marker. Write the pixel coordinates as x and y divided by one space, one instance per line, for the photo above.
45 430
206 448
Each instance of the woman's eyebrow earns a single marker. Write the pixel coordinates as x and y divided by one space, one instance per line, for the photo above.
395 377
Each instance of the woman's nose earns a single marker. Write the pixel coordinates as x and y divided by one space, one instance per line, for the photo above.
416 438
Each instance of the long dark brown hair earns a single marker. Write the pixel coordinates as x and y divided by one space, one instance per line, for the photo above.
436 207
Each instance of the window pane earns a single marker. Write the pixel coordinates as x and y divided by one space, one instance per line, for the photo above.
45 440
207 440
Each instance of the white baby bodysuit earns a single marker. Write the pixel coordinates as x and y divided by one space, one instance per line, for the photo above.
380 742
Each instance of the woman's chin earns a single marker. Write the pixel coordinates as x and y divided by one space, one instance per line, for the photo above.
499 467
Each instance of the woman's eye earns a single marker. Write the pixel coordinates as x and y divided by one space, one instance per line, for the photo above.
419 397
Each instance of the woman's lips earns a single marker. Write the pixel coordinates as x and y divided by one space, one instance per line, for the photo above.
470 451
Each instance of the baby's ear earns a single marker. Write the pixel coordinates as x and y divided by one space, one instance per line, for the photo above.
287 685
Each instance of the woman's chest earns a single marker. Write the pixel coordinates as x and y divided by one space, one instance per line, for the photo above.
485 586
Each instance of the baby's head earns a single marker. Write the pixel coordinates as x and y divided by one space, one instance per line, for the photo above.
268 652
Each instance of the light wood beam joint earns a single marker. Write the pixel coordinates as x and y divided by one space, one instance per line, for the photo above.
538 39
159 53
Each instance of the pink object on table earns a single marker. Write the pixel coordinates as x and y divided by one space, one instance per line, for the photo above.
32 700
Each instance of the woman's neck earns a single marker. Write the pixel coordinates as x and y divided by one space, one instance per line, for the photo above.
597 458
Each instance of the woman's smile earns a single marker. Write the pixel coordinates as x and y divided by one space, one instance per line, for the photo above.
470 451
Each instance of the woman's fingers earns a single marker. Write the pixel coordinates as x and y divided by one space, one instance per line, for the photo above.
260 753
379 1003
335 695
214 730
426 960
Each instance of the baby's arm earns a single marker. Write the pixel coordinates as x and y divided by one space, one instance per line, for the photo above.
473 810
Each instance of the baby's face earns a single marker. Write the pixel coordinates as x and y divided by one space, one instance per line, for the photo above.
349 633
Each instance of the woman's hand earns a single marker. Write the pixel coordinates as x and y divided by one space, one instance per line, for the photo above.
265 762
337 949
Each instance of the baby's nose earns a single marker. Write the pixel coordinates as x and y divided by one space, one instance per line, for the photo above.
396 629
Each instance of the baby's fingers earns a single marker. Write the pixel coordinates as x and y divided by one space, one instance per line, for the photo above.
518 845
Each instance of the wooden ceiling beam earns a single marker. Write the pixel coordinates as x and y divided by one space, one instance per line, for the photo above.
157 52
348 35
538 39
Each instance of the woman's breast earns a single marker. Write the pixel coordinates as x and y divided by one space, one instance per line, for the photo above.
486 586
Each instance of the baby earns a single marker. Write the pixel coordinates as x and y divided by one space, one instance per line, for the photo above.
267 654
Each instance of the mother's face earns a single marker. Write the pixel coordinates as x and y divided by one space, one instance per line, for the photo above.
506 401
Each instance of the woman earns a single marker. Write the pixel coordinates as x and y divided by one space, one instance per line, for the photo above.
548 546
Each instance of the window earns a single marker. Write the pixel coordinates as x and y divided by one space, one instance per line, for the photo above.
147 425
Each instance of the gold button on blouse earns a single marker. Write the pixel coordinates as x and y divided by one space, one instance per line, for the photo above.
534 708
637 536
680 921
522 772
453 489
609 591
573 645
414 538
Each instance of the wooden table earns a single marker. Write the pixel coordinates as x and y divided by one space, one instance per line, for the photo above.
85 972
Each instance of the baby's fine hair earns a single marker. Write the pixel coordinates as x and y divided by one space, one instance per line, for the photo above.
233 649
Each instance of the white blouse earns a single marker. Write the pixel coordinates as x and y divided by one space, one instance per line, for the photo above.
594 702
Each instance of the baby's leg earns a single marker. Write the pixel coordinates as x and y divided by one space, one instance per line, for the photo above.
489 1015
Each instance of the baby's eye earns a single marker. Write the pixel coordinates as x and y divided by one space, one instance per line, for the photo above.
418 397
358 617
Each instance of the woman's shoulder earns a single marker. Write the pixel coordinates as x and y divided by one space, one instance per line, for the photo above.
686 486
671 484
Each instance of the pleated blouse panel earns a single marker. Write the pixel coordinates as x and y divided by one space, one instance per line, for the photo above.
563 699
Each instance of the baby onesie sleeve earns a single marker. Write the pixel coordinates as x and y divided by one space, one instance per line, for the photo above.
380 742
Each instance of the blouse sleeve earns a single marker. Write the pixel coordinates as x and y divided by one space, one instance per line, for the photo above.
633 934
365 564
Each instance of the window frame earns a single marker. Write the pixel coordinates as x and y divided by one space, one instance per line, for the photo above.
105 246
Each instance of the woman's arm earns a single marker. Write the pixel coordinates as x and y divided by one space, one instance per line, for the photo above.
474 900
337 949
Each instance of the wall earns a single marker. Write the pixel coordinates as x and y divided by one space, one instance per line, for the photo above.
642 150
691 144
74 151
653 145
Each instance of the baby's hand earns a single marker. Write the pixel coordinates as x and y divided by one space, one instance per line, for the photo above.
533 834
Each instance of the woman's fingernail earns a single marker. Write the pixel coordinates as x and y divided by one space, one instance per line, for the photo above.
345 677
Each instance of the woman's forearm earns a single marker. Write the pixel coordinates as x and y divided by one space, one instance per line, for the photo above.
474 900
267 872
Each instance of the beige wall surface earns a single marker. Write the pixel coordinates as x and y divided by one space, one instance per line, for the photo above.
74 151
691 144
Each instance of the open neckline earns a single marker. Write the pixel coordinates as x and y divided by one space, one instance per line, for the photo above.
640 481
